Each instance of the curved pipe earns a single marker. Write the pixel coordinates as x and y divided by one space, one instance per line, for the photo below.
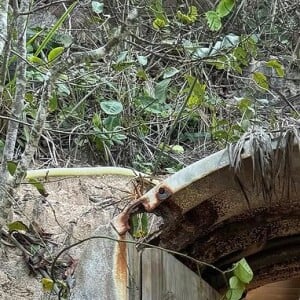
86 171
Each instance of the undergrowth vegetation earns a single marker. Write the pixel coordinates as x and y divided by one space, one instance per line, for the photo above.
152 85
188 78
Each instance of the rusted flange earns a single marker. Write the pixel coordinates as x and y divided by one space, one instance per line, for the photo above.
149 201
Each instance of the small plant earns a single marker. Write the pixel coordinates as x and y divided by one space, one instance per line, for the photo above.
241 276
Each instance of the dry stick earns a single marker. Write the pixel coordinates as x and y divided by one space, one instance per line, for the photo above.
286 100
6 55
167 140
3 24
73 132
28 12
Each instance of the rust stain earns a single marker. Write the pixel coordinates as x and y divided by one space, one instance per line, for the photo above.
162 193
120 269
121 222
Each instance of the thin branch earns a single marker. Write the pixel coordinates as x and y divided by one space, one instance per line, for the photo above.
17 106
3 24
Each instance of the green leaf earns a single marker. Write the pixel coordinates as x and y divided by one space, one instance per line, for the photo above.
54 53
143 60
55 28
151 105
96 120
277 66
236 290
141 74
159 23
63 89
111 122
241 55
235 283
53 104
243 271
234 294
170 72
196 96
244 104
17 226
190 17
122 66
177 149
161 89
48 284
139 225
111 107
213 20
39 186
261 80
11 167
97 7
36 60
122 56
225 7
64 39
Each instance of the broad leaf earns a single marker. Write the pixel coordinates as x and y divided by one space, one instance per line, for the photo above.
53 104
213 20
54 53
39 186
236 290
63 89
122 56
159 23
111 107
161 89
17 226
141 74
234 294
11 167
169 72
177 149
225 7
48 284
277 66
235 283
243 271
142 60
196 96
190 17
97 7
261 80
36 60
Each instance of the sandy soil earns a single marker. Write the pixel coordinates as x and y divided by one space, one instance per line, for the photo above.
71 212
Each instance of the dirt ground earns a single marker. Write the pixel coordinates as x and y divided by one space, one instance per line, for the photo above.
71 212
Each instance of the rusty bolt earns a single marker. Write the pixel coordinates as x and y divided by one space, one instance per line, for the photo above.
163 194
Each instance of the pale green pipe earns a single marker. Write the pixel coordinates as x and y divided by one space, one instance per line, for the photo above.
85 171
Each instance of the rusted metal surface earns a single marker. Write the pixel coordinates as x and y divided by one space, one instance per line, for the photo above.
121 222
219 216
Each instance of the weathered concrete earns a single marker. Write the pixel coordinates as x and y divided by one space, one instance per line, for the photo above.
102 271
